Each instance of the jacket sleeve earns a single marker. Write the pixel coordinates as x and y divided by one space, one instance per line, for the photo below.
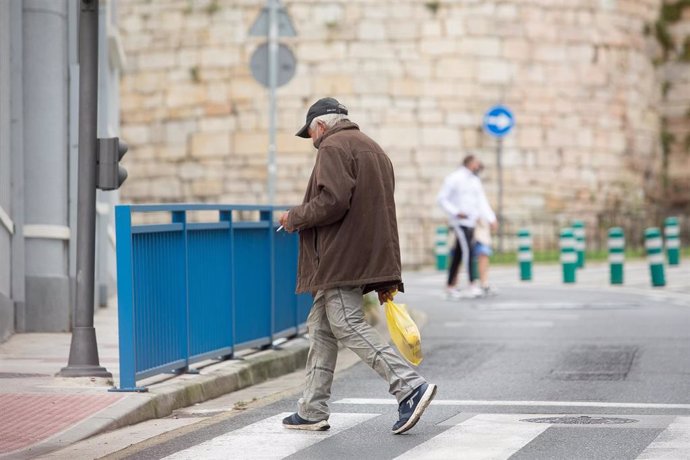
335 177
485 211
444 197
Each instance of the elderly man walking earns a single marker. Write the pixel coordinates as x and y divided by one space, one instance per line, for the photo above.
348 247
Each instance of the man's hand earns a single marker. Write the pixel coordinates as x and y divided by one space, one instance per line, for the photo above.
284 221
494 225
385 295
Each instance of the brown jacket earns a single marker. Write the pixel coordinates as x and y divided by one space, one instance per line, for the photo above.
347 224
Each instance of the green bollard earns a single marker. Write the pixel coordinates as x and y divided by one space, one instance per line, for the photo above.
525 254
616 254
672 232
652 242
568 255
579 234
441 248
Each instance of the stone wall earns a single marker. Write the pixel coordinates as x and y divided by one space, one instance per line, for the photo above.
417 76
673 71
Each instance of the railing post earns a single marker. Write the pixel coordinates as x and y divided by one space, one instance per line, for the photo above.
180 217
126 314
525 254
616 245
226 216
267 216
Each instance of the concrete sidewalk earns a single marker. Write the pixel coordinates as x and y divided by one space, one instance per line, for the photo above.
42 413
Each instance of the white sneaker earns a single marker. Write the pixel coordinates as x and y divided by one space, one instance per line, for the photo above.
475 291
453 293
471 292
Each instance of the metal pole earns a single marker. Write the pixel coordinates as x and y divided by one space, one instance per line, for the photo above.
499 164
272 84
83 354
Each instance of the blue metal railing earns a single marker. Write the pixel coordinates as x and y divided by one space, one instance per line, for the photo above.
192 291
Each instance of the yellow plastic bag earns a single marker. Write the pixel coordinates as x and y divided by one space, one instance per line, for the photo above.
404 332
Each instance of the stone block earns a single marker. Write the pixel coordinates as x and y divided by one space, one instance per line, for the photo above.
254 143
287 143
402 30
494 71
246 88
438 46
517 50
370 30
530 137
550 53
172 152
212 144
191 170
454 67
480 46
178 132
165 188
334 84
160 60
222 123
440 136
318 51
399 136
136 135
184 94
405 87
206 188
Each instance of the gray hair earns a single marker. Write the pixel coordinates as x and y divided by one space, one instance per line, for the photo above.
330 119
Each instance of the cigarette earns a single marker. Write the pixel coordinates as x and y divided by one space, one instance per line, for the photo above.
279 229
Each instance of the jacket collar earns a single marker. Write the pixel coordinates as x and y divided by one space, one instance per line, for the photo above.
340 126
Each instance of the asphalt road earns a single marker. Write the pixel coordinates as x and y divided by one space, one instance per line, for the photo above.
533 373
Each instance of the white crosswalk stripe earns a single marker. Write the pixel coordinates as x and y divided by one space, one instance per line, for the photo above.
468 436
266 439
672 443
484 436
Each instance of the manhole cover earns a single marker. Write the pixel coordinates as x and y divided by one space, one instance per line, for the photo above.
581 420
17 375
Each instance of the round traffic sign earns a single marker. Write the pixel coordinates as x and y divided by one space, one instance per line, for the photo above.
286 64
499 121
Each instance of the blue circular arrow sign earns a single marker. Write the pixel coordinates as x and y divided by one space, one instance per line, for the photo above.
499 121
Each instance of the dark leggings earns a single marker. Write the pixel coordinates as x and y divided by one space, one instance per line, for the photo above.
468 232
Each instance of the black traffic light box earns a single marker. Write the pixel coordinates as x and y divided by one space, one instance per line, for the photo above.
110 175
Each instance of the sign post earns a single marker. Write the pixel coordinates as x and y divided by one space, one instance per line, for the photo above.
498 122
272 65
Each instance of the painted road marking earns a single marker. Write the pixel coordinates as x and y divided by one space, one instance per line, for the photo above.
267 439
484 436
461 402
672 443
507 323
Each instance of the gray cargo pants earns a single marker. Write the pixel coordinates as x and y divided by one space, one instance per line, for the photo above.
337 315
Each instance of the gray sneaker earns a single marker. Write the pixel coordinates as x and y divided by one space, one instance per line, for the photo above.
488 291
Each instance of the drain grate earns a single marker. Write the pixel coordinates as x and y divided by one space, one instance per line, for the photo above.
17 375
595 362
581 420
